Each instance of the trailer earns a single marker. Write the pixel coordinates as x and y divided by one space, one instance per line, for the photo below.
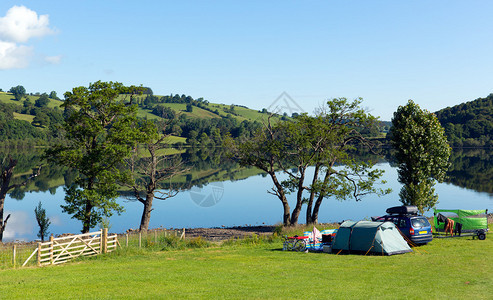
466 222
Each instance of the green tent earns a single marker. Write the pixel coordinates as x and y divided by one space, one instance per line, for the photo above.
471 220
370 237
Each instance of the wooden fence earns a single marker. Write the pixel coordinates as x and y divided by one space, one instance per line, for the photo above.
63 249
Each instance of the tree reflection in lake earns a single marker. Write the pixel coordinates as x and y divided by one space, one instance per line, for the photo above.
243 202
472 169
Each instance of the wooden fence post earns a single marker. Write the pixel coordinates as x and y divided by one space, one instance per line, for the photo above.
39 254
51 248
105 240
126 243
155 236
13 254
140 239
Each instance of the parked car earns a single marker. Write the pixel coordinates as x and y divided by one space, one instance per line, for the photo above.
414 226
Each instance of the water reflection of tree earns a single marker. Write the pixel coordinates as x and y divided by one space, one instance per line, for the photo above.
50 177
472 169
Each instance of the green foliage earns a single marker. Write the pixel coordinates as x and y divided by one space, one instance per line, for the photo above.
18 92
91 205
469 124
323 141
42 101
189 107
42 220
164 112
53 95
101 130
422 153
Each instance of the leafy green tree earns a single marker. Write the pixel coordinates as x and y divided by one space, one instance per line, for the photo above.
189 107
41 119
42 101
422 153
192 138
42 220
101 129
53 95
323 141
18 92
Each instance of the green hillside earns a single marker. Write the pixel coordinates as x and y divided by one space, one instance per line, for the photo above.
37 118
469 124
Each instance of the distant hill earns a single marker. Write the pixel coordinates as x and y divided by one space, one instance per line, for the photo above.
31 121
469 124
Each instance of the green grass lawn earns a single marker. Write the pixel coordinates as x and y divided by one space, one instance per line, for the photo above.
447 268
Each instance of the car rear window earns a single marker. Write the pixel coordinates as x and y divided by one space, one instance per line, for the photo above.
420 222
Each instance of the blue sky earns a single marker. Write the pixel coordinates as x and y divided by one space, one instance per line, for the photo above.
438 53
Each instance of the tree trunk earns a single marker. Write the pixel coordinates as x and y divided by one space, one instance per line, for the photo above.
282 196
309 219
299 199
318 203
86 225
316 209
146 213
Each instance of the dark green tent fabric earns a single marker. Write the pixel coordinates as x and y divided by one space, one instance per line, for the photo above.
372 237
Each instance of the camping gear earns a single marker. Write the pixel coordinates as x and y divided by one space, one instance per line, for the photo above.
314 241
311 240
467 222
295 243
369 237
403 210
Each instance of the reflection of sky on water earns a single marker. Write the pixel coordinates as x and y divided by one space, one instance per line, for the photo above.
20 226
243 202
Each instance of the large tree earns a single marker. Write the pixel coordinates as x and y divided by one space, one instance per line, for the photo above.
323 142
101 130
151 176
422 154
18 92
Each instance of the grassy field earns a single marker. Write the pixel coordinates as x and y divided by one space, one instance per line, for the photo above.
447 268
28 118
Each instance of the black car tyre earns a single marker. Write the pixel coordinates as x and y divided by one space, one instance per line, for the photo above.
481 236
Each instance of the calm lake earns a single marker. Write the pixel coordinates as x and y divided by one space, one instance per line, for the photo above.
246 202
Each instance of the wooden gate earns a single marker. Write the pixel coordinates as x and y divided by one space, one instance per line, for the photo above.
63 249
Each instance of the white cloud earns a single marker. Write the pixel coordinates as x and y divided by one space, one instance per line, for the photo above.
14 56
53 59
20 24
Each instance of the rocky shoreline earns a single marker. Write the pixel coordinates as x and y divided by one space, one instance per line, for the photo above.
221 234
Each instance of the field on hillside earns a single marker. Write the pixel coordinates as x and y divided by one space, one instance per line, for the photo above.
447 268
9 99
240 113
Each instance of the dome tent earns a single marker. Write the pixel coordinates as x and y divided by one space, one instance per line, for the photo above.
370 237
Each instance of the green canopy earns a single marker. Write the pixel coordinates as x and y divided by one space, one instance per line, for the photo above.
370 237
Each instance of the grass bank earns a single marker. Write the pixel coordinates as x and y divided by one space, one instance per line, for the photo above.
257 268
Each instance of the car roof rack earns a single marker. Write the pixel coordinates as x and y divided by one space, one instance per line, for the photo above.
403 210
